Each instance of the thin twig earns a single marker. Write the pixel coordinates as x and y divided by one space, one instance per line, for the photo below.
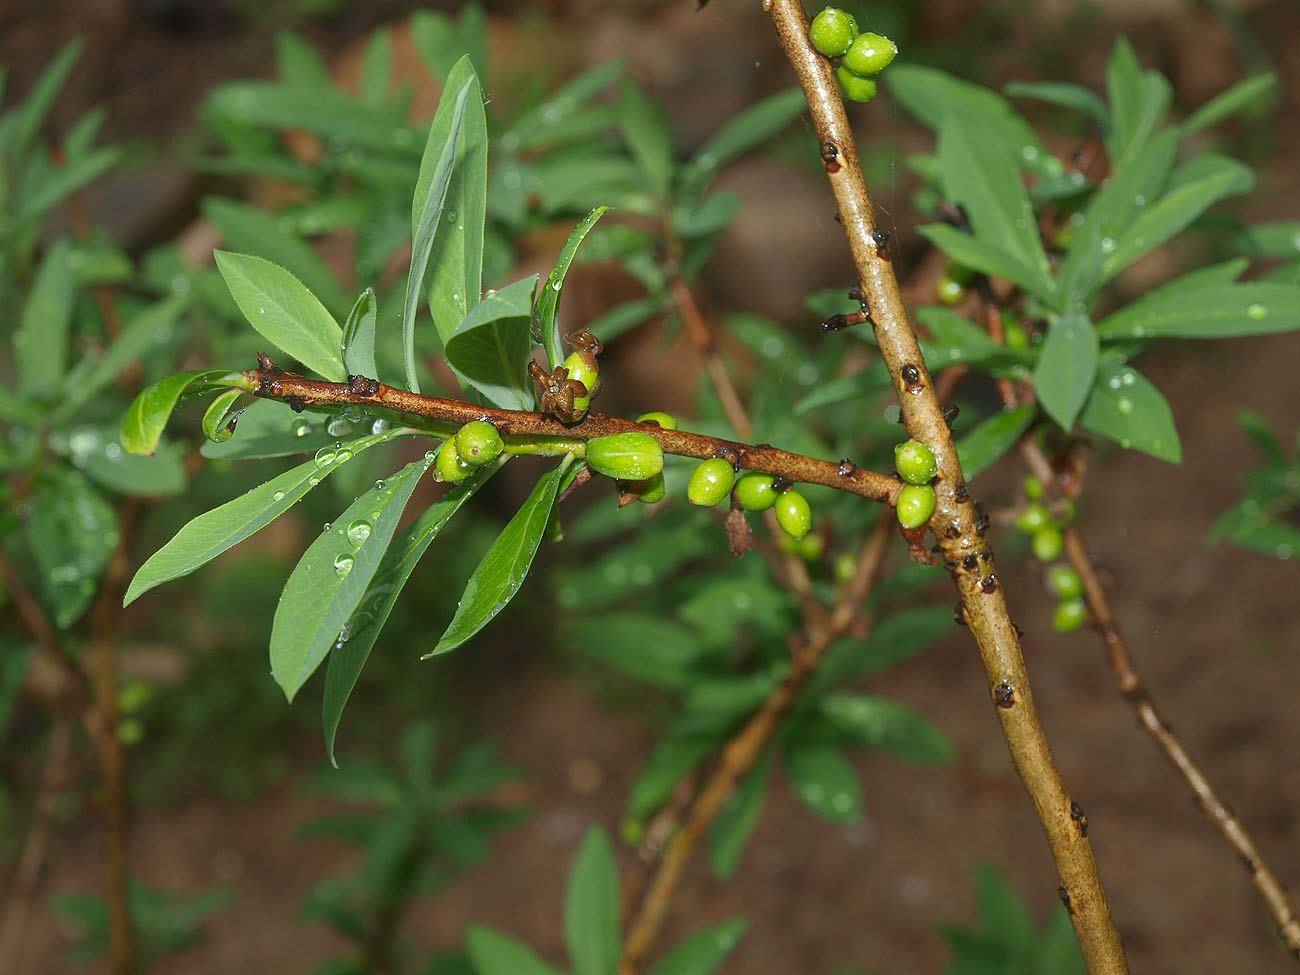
700 337
956 522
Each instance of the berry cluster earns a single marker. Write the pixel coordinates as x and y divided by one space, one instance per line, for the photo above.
916 465
473 445
715 478
1047 542
834 33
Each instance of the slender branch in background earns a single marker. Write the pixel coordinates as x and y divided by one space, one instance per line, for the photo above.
300 392
742 752
1131 687
22 889
700 337
958 526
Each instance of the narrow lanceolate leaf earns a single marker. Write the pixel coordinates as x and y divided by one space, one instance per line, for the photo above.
984 446
1125 407
72 531
732 829
333 577
269 428
282 310
371 612
436 168
983 256
546 328
498 954
215 531
41 341
745 131
591 907
1138 102
1239 97
648 134
823 778
889 726
899 636
979 174
1067 364
149 412
503 569
456 261
41 97
703 951
1063 94
490 349
359 337
1207 312
215 427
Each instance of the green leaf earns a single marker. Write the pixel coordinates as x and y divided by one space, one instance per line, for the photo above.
980 176
889 726
456 260
270 428
376 67
1262 436
744 131
95 451
214 418
959 340
71 531
648 134
1067 363
982 447
628 315
332 578
823 779
298 63
732 829
546 327
371 612
1239 97
704 950
1138 103
490 350
436 165
897 637
213 532
672 760
503 569
359 337
983 256
41 96
647 647
1207 312
149 412
41 341
497 954
870 381
591 907
544 124
57 184
1125 407
284 312
1280 238
252 230
1064 95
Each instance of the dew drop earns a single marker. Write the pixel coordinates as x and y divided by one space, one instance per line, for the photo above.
314 481
343 456
379 426
1113 382
1125 405
429 455
379 484
261 311
1107 245
278 496
338 426
1284 551
324 457
325 529
343 565
1257 312
556 285
358 532
301 428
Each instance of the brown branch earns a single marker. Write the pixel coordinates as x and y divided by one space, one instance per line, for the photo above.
955 521
699 335
300 392
742 752
1133 689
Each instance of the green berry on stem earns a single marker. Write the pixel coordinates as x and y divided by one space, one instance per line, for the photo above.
810 548
833 31
1013 333
950 292
665 421
626 456
1070 615
915 462
1047 543
1034 518
793 514
710 482
855 89
586 374
846 567
447 465
1064 582
654 490
755 491
915 505
1033 488
478 443
869 54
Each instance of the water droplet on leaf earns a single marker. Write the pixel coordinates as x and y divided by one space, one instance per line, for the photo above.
343 565
358 532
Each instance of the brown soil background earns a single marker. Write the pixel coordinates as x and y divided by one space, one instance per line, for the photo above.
1216 631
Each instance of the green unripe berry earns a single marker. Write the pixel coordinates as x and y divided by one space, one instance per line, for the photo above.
447 465
631 831
710 482
1013 333
950 292
666 421
846 567
810 548
1033 488
855 89
915 462
1034 518
755 491
1047 543
869 54
1069 615
1064 582
654 490
915 505
585 374
478 443
626 456
793 514
833 31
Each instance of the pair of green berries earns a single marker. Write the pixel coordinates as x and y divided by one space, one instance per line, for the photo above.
1071 611
634 456
1037 521
834 33
473 445
916 465
715 478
